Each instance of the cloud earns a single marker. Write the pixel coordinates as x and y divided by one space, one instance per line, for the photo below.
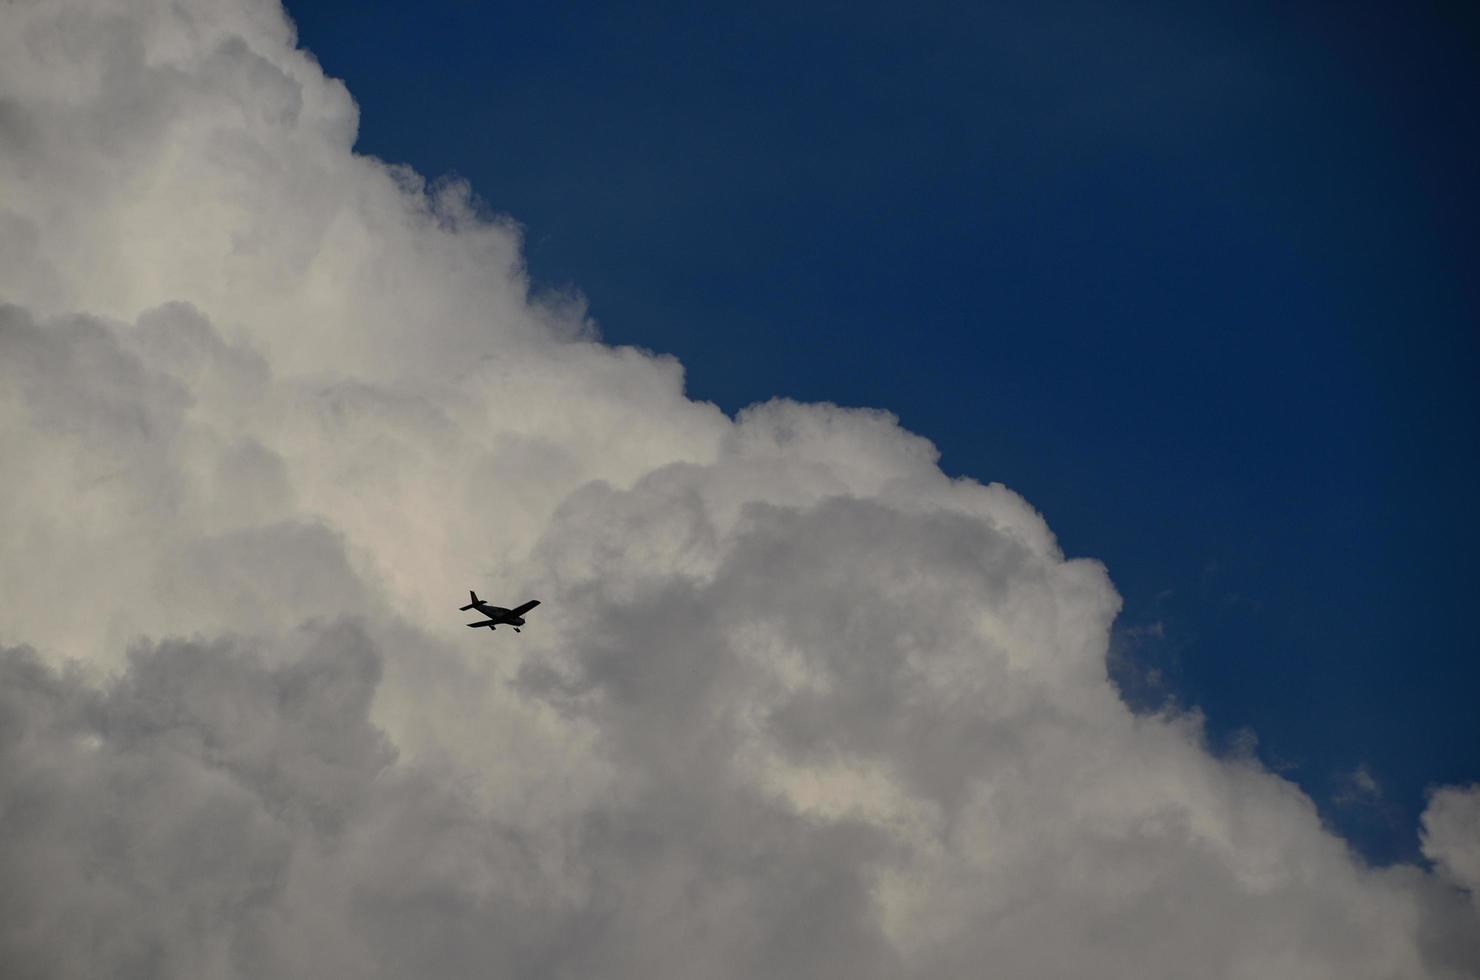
796 703
1451 834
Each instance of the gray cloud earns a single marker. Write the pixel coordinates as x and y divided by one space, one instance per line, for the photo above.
796 704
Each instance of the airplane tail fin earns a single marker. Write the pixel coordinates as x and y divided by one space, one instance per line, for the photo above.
471 595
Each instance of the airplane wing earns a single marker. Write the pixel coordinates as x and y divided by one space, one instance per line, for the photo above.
521 610
486 622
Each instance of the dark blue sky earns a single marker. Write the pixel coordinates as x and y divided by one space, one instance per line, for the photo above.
1200 284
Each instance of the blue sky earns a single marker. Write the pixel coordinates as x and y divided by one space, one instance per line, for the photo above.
1198 284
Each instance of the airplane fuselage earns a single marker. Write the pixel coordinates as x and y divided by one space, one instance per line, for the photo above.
501 614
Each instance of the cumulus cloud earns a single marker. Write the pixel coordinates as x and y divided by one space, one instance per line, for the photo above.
1451 834
796 703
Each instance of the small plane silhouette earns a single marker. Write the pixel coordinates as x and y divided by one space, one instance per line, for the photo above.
498 615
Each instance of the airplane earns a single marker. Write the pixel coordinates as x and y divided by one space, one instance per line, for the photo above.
498 615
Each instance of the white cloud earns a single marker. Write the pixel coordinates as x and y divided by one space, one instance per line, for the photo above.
1451 834
796 704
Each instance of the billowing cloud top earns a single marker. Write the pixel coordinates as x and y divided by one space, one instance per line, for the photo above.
796 704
